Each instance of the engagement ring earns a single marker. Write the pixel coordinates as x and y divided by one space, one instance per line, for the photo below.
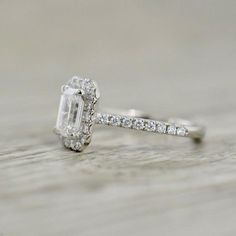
78 114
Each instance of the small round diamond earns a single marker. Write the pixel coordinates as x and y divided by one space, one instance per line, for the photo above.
171 130
126 122
84 138
86 129
102 119
76 146
182 131
89 88
87 117
138 124
150 126
115 121
71 131
76 82
98 118
89 107
88 84
161 128
105 119
90 93
67 143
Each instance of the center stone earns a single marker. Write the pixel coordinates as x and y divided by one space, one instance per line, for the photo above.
70 111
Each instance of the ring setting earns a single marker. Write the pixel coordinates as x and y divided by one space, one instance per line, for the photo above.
78 115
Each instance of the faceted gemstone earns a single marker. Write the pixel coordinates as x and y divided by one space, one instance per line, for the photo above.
67 143
104 119
181 131
161 128
86 129
115 121
70 111
138 124
76 82
127 122
87 117
150 126
171 130
76 146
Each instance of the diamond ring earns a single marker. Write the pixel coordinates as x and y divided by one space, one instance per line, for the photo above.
78 114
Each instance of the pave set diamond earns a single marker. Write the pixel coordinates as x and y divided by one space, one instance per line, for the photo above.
141 124
76 114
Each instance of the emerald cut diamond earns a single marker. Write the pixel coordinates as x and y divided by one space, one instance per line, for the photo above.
70 111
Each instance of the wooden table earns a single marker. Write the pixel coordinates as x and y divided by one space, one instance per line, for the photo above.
170 58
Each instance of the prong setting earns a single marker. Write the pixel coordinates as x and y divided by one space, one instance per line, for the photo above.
79 92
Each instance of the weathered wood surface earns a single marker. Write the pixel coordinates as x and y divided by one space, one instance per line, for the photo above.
176 58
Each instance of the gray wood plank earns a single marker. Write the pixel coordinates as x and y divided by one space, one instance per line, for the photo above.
168 58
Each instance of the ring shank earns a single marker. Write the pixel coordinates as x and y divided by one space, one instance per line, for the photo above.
135 119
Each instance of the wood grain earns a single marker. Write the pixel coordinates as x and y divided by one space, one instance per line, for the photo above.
150 55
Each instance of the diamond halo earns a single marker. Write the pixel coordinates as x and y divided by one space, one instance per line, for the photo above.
76 113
